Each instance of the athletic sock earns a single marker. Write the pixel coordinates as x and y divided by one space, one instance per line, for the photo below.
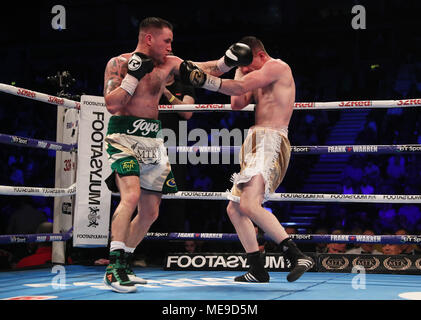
117 245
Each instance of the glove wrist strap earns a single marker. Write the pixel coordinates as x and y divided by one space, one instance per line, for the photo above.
222 66
212 83
129 84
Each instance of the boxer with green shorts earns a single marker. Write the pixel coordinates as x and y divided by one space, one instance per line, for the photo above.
133 84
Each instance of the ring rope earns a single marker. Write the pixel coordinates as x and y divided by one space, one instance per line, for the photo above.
36 237
366 104
305 197
338 149
38 191
203 195
34 95
35 191
331 105
35 143
318 238
307 238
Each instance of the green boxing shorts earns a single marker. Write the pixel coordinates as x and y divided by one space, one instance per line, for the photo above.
135 148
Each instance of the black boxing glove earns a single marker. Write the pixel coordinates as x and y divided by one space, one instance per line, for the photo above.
138 66
238 55
193 75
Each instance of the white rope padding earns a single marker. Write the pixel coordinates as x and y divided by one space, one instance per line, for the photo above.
34 95
366 104
304 197
357 104
37 191
204 195
196 195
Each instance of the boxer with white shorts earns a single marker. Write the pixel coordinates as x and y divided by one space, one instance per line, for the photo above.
264 154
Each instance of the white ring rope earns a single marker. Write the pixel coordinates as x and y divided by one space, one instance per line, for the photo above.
37 191
34 95
197 195
303 197
210 195
366 104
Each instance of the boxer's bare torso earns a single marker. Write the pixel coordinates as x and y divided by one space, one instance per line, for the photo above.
271 86
144 102
275 102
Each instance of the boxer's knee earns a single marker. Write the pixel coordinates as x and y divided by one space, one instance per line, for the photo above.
232 210
249 207
149 210
151 215
144 217
130 198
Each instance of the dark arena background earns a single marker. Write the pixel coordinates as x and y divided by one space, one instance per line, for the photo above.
362 152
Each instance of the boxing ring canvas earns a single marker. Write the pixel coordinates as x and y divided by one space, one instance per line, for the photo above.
85 283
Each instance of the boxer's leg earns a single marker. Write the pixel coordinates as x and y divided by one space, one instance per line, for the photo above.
250 206
247 235
148 210
243 226
116 276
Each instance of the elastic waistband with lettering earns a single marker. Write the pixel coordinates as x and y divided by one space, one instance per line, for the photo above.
131 125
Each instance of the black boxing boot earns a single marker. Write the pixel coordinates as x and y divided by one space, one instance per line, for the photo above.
257 272
300 263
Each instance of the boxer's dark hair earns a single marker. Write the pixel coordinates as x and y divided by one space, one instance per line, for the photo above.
154 22
254 43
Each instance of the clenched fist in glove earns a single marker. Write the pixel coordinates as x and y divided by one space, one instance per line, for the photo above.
238 55
193 75
138 66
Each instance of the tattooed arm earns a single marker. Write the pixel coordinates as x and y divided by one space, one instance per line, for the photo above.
237 55
210 67
115 97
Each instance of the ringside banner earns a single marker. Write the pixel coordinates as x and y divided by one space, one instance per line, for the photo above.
372 263
404 264
221 261
93 199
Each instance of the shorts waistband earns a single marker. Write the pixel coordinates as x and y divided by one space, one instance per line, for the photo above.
135 126
283 130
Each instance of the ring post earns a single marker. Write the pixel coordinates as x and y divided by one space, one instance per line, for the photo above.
65 175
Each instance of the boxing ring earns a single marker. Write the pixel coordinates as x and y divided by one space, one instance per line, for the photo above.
73 282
